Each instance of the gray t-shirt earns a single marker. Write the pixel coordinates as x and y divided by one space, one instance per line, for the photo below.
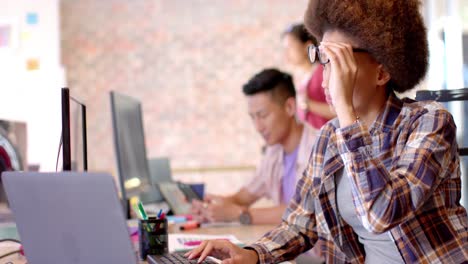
380 248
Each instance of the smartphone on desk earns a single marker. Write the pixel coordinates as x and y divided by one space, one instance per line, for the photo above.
179 196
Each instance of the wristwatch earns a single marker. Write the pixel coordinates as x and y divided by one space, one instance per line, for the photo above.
245 218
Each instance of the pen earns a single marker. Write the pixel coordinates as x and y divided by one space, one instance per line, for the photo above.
159 214
190 225
142 211
137 211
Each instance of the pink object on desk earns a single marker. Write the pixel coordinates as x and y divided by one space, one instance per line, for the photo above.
193 243
133 233
198 242
133 230
134 238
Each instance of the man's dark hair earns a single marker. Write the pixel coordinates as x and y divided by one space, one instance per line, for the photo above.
278 83
300 32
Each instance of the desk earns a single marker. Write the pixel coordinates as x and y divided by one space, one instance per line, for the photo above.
246 234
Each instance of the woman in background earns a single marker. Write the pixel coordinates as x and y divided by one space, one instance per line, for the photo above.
312 105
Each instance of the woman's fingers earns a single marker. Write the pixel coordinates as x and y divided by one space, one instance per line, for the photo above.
196 251
206 251
341 55
223 250
342 72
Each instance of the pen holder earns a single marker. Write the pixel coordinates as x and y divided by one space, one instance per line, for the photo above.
153 237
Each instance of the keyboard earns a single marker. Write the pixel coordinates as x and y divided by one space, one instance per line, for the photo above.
175 258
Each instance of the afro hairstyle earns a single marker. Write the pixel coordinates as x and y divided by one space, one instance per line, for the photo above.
392 31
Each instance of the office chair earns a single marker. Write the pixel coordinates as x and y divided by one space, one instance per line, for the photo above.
10 158
5 165
446 96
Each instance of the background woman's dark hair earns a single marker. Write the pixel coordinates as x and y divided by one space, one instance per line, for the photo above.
278 83
393 32
300 33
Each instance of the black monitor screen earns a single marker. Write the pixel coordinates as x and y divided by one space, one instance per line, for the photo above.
74 146
129 145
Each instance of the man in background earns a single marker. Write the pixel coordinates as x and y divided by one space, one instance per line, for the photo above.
271 100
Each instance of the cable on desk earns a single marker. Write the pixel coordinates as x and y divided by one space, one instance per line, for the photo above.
10 253
10 240
58 154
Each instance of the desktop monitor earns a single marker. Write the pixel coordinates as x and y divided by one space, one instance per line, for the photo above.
130 150
74 139
159 172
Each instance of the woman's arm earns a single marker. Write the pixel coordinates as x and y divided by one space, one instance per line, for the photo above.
267 216
385 198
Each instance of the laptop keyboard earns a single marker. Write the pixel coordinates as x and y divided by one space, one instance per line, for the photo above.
175 258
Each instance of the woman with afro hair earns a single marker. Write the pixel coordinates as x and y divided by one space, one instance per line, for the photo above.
383 180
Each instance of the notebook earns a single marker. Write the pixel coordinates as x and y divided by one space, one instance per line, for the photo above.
184 242
69 217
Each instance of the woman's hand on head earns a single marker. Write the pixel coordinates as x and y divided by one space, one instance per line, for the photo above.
342 71
223 250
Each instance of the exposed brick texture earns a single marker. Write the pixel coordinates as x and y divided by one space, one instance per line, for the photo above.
185 60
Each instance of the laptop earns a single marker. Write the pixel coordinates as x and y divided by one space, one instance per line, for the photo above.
69 217
73 218
177 194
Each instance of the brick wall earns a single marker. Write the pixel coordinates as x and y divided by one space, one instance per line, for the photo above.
185 60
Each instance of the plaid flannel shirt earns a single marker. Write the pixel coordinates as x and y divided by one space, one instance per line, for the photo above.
405 178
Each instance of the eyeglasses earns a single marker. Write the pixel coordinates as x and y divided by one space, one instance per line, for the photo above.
316 55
